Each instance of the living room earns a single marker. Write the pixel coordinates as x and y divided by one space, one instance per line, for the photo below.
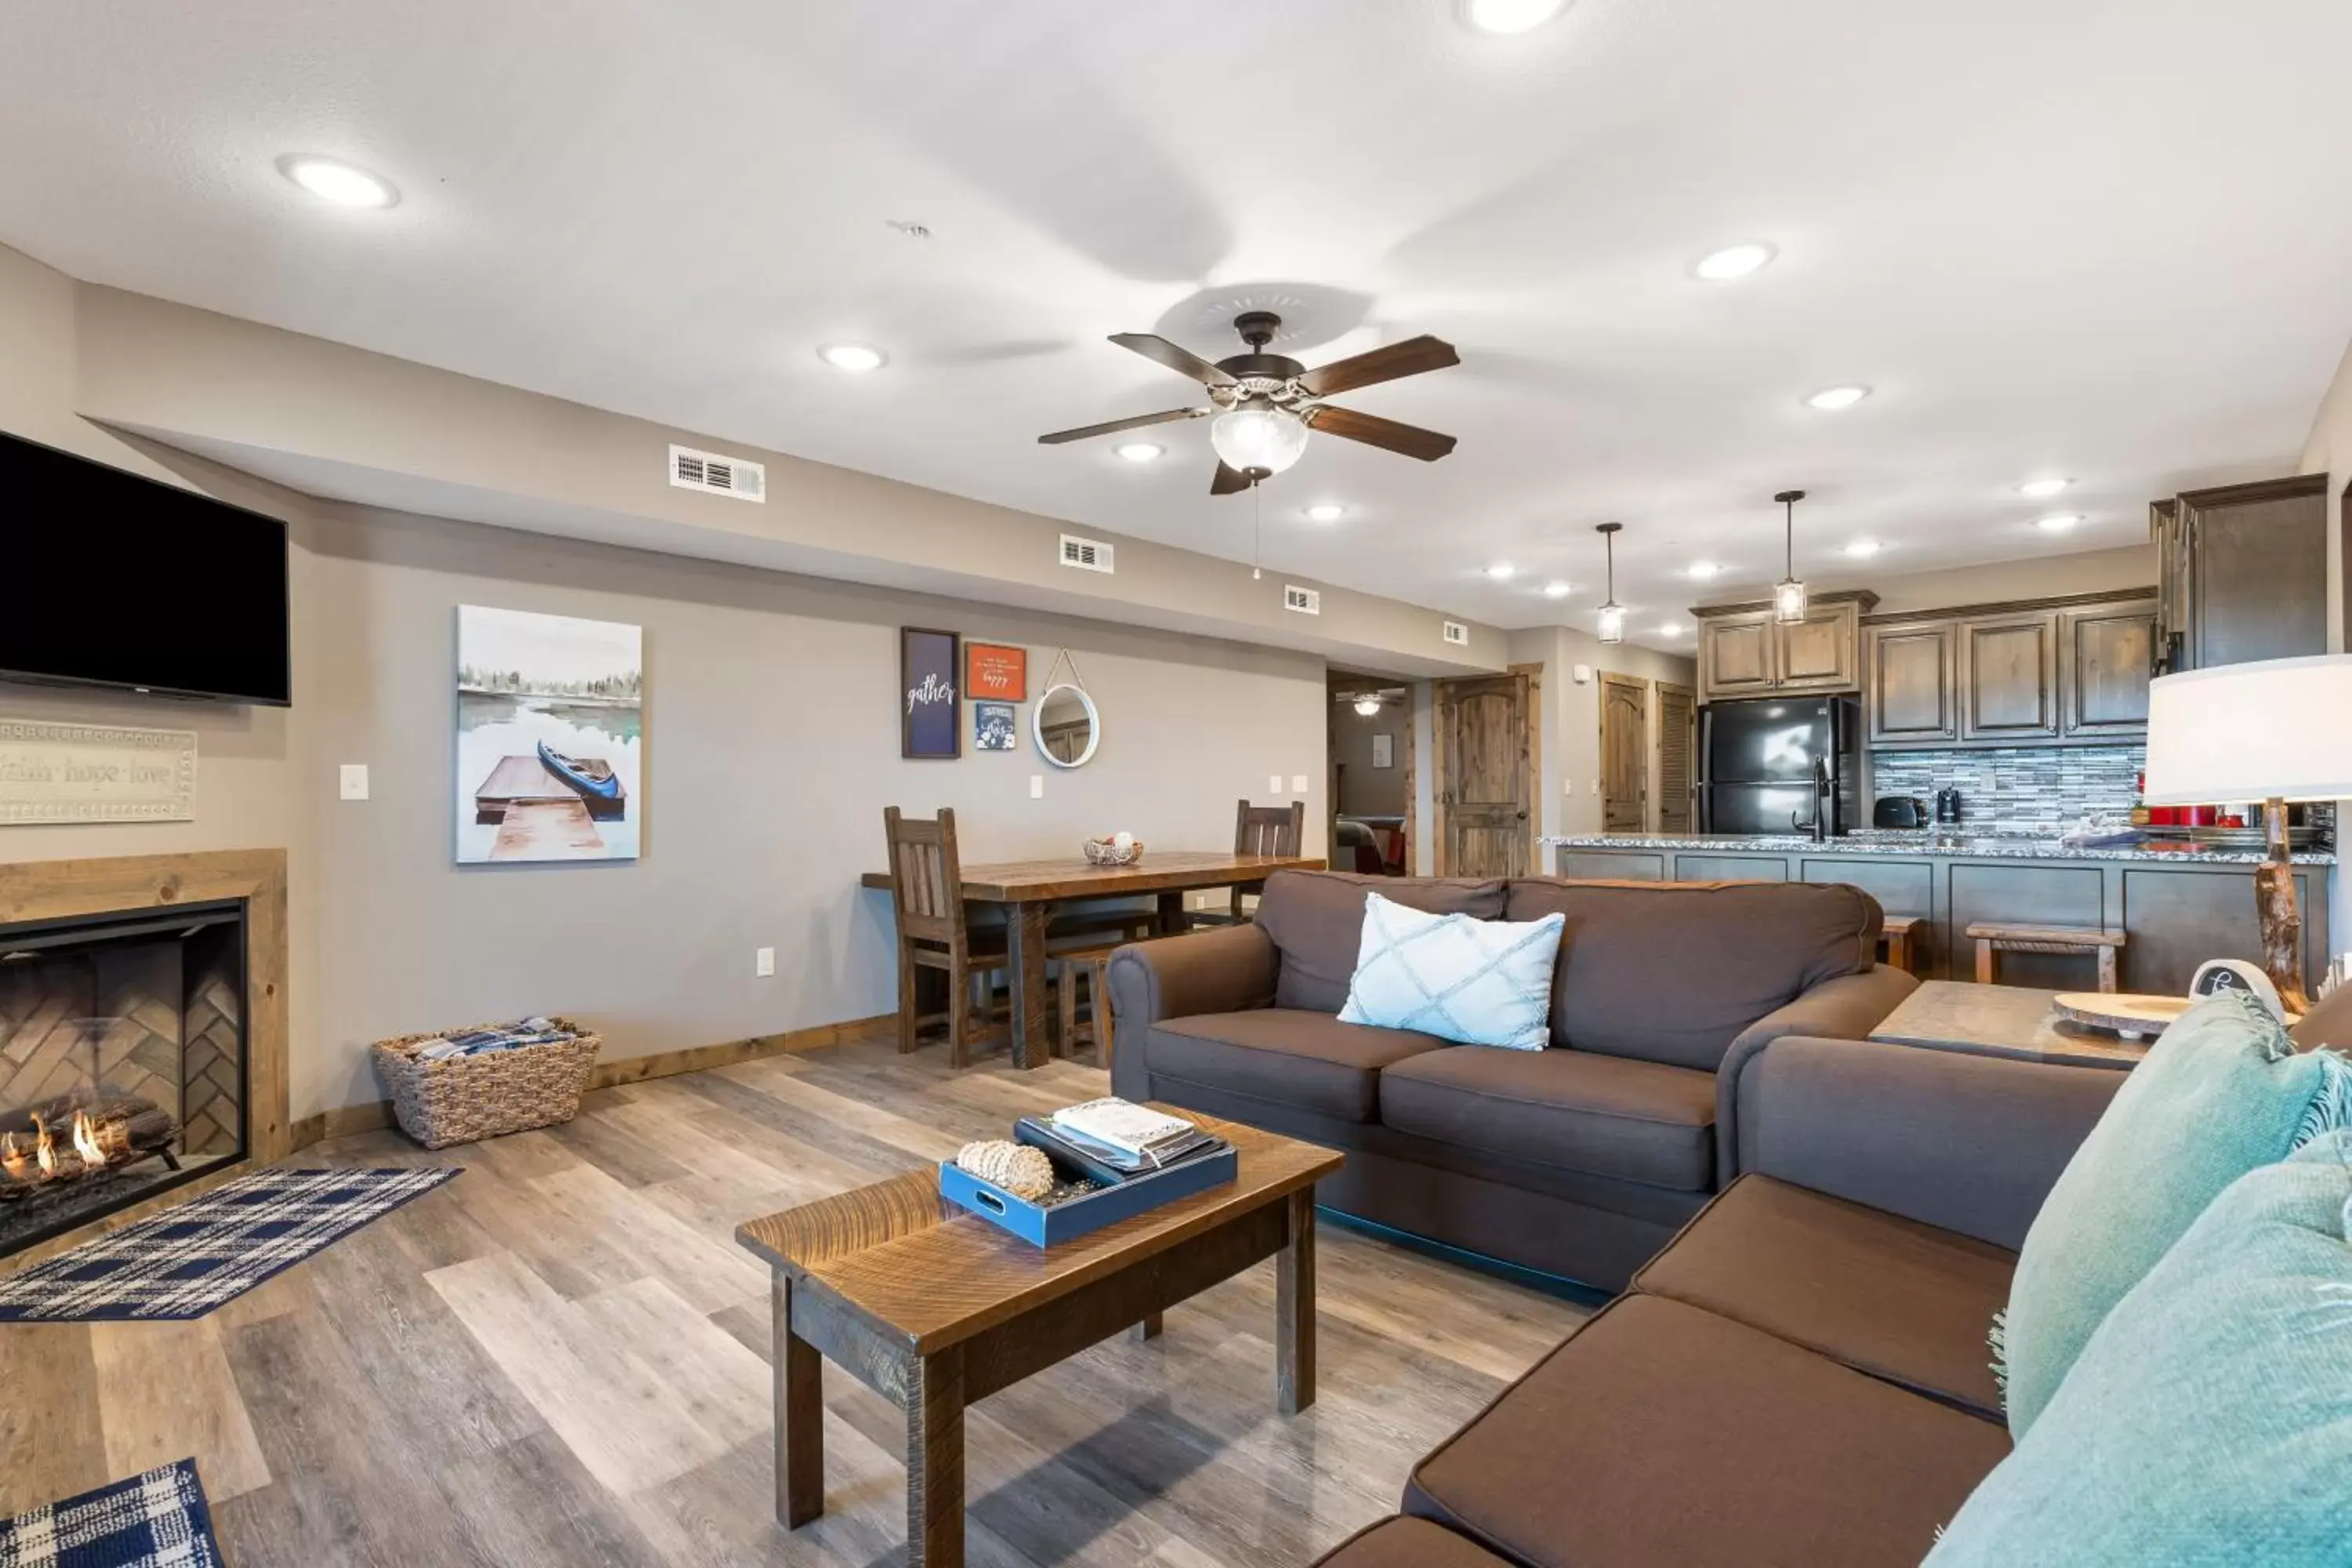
727 498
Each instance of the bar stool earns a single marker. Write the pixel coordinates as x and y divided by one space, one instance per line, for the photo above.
1992 937
1900 940
1093 965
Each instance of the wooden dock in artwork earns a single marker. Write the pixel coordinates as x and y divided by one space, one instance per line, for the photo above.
539 816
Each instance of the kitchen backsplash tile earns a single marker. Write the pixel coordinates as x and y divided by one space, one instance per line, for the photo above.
2034 788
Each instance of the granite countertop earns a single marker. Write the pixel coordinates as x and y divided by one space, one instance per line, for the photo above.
1895 842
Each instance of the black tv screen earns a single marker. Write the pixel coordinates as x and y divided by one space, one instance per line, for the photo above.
114 580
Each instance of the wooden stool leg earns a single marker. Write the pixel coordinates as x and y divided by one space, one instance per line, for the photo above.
1065 996
1984 961
2106 969
1098 993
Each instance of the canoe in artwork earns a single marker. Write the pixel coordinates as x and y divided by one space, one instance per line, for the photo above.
591 776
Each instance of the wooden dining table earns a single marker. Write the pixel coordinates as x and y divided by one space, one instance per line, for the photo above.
1028 889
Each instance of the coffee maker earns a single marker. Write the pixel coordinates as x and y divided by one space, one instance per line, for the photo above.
1948 807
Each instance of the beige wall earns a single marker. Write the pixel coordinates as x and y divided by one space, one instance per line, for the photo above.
1571 712
2084 572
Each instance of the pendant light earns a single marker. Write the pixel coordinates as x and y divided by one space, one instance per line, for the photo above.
1789 594
1613 613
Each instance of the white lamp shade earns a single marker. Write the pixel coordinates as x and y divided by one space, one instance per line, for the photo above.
2248 731
1257 437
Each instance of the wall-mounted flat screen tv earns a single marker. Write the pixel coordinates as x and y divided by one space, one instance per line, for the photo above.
109 579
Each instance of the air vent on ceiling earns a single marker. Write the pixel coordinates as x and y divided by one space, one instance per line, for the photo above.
1306 601
1457 634
1086 554
714 475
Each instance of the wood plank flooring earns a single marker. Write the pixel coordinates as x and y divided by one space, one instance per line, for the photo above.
561 1358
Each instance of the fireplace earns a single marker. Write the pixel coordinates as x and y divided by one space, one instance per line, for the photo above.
123 1061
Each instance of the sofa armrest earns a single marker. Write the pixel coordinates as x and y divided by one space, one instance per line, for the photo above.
1846 1008
1966 1143
1224 969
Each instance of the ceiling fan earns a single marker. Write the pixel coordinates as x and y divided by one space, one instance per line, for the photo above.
1265 404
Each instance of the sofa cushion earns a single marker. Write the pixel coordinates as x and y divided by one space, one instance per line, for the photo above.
1295 1057
1672 972
1883 1295
1316 921
1408 1543
2221 1092
1636 1121
1481 982
1661 1434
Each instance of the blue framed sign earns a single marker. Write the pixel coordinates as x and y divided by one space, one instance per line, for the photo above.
930 716
993 726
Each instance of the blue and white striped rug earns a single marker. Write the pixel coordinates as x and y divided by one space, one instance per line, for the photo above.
187 1261
159 1520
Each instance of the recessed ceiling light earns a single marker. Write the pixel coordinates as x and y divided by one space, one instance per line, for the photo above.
1733 261
1510 15
1862 549
2058 521
1501 571
1671 629
1556 589
1703 569
854 358
1133 451
1326 511
333 180
2042 489
1831 399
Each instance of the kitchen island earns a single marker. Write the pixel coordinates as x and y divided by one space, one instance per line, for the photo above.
2178 906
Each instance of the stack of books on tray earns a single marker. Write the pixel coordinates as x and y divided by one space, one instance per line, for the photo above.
1113 1159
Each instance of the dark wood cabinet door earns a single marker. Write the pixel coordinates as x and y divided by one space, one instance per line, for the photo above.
2008 678
2104 654
2258 571
1911 684
1819 652
1735 655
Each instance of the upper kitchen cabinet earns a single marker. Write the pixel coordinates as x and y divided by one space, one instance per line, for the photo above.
1743 652
1911 683
2243 572
2104 655
2009 678
2053 671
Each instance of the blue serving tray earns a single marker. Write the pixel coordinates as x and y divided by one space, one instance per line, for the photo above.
1076 1217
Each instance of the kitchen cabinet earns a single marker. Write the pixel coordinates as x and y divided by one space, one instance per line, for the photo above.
1743 652
2061 671
2242 572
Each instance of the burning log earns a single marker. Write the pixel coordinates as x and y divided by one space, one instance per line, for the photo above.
60 1141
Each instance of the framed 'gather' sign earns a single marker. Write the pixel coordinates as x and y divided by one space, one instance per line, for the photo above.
930 716
995 672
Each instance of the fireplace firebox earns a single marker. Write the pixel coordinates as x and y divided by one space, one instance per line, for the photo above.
122 1061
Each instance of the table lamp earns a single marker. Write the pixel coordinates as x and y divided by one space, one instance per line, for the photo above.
2276 729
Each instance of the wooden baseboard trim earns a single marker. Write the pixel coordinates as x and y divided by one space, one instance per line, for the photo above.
376 1114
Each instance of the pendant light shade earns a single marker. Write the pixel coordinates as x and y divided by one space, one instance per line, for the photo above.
1257 437
1613 613
1789 594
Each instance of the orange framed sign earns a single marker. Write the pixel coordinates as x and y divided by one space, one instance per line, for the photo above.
995 672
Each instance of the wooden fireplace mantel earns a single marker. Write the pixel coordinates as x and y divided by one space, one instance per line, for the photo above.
65 890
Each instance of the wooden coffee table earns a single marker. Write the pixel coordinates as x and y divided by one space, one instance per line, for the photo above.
933 1308
2011 1021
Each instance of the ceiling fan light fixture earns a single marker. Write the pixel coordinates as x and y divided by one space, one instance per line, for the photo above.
1369 707
1140 451
1258 438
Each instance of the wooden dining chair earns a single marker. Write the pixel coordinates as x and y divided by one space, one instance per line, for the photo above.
1257 830
926 889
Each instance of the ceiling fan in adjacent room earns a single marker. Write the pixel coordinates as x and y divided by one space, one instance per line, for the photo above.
1265 404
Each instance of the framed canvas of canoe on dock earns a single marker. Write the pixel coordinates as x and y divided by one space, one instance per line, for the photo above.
550 731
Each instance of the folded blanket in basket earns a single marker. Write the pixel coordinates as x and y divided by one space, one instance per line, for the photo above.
534 1031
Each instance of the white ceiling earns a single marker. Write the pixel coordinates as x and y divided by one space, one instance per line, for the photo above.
2102 238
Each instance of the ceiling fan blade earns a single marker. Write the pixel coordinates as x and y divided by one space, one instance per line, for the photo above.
1370 429
1229 482
1082 431
1183 362
1410 357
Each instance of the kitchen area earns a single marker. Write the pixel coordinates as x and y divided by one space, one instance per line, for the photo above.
1981 763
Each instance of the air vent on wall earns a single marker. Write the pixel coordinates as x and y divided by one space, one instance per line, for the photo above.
714 475
1457 634
1306 601
1086 554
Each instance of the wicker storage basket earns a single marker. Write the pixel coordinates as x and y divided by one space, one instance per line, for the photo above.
457 1099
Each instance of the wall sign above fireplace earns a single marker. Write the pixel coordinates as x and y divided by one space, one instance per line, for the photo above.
95 772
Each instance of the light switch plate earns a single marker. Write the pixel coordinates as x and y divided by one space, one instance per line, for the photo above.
763 962
1036 786
1298 784
355 780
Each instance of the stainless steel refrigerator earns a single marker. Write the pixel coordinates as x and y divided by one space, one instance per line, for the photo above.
1767 764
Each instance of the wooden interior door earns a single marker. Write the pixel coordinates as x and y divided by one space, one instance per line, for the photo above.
1624 754
1677 747
1487 764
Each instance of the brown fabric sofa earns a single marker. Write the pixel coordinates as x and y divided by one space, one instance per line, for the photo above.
1582 1160
1800 1378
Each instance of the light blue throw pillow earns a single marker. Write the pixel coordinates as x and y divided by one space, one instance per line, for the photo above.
2210 1418
2221 1092
1481 982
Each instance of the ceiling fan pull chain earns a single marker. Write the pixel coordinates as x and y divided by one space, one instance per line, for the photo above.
1257 533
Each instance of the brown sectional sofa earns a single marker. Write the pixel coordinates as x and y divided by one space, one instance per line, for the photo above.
1800 1378
1580 1160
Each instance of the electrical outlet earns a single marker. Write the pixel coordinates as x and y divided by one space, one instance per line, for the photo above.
1274 784
763 962
1036 786
355 780
1298 784
1987 783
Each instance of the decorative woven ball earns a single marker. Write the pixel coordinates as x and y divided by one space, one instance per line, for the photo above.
1020 1170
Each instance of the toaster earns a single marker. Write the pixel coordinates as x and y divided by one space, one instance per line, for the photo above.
1899 811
